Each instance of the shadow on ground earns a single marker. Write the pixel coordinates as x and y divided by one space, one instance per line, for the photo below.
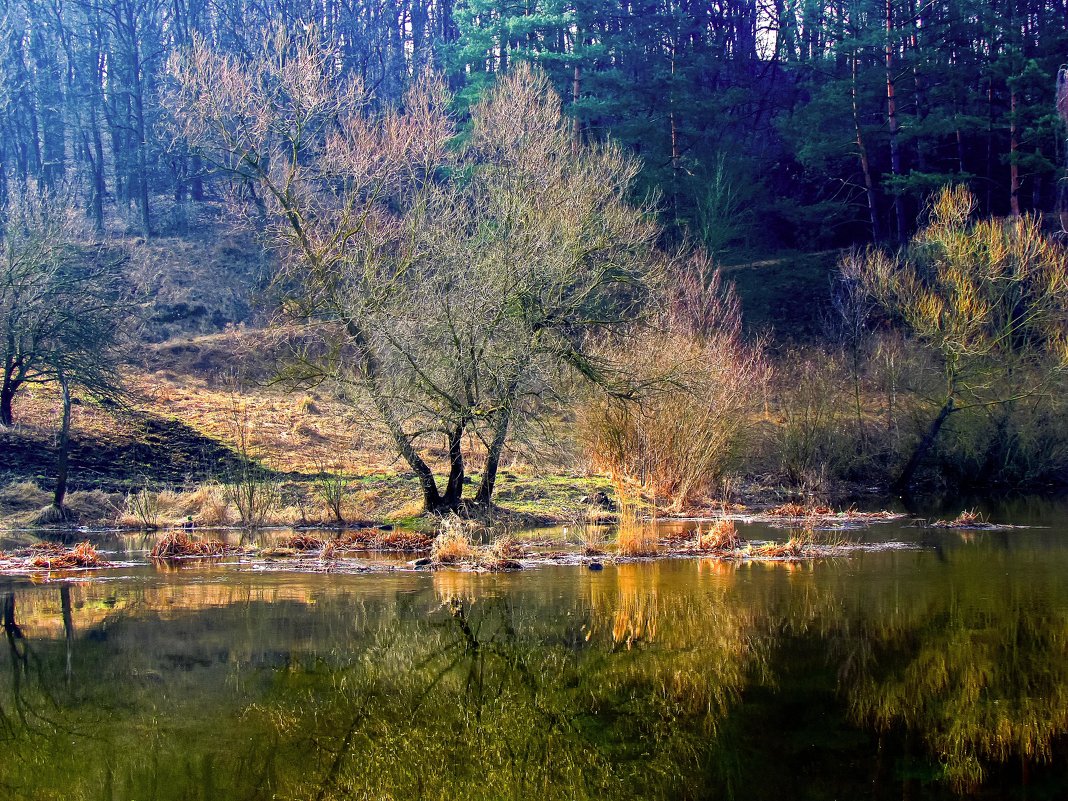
144 448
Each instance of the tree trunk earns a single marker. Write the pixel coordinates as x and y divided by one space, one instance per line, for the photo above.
94 151
7 395
196 179
10 383
904 481
1014 168
454 489
370 369
892 124
64 449
493 459
576 94
862 150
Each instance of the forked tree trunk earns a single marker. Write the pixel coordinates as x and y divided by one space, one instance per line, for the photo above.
371 370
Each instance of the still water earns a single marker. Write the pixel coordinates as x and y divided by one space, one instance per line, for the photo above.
937 671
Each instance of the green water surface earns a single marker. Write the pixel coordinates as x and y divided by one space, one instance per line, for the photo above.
935 671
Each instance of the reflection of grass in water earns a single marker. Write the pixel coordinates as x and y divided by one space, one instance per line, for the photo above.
635 618
457 585
527 694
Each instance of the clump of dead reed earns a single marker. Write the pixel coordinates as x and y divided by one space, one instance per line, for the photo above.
506 546
178 544
800 510
722 536
401 540
302 542
635 536
799 544
969 518
453 542
81 555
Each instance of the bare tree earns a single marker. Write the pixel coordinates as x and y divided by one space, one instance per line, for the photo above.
452 286
64 310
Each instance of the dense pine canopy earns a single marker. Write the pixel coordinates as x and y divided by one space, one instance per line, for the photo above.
760 123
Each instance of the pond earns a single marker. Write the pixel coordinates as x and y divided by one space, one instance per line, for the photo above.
933 671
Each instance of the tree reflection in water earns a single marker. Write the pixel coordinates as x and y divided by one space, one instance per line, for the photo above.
649 680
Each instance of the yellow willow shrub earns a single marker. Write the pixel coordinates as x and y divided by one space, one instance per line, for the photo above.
698 385
987 298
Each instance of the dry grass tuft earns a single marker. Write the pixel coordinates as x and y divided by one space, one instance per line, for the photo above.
302 542
584 526
401 540
969 518
95 506
212 507
81 555
177 544
799 510
453 543
52 515
723 536
506 547
793 548
634 536
637 539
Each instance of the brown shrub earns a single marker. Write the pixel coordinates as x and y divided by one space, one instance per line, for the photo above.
698 384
